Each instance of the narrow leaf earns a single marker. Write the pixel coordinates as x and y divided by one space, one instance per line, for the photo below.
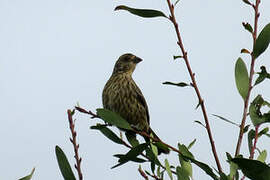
176 57
262 156
134 152
146 13
151 156
199 122
181 84
262 75
251 136
224 119
113 118
136 159
64 164
168 169
262 41
241 78
108 133
247 2
28 177
191 144
253 169
248 27
131 137
264 131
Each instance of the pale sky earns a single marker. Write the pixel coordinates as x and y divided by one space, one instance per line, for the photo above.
57 53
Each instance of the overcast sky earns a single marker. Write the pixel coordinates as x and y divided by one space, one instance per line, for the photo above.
57 53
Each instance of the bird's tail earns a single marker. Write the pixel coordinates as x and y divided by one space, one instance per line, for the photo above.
161 147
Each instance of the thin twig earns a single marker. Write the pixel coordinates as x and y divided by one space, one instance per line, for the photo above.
75 145
251 73
255 142
138 132
143 173
192 76
86 112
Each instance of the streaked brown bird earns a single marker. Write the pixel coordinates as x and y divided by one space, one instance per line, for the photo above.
122 96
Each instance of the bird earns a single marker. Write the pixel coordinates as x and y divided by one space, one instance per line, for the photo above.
122 96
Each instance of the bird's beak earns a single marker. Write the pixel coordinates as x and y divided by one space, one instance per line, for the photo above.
137 60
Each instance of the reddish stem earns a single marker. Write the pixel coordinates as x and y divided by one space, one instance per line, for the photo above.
255 142
192 76
251 73
75 145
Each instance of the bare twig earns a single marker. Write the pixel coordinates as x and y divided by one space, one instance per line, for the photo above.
138 132
192 76
251 73
255 142
86 112
143 173
75 145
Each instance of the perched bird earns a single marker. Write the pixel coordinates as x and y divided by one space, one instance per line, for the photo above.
122 96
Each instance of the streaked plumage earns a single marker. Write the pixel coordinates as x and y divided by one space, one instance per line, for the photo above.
123 96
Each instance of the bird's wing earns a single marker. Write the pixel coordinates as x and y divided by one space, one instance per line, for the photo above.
142 101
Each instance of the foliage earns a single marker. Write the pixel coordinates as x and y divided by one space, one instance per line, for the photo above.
147 152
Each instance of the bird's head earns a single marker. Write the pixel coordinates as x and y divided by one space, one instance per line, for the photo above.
126 64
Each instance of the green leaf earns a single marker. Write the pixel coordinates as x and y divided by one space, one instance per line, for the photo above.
186 166
154 149
131 155
199 122
176 2
253 169
108 133
162 146
151 156
247 2
187 155
262 156
264 131
241 78
184 151
191 144
181 174
246 128
251 136
233 169
134 152
168 169
64 164
248 27
146 13
262 75
181 84
136 159
28 177
131 137
262 41
224 119
177 57
255 111
113 118
204 167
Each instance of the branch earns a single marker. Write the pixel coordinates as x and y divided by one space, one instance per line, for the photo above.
75 145
251 73
138 132
192 76
255 142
